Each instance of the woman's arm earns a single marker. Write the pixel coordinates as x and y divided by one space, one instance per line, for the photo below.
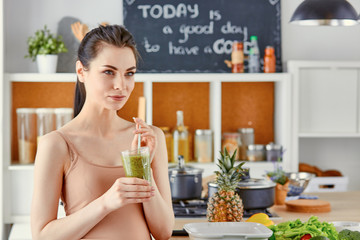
158 211
51 160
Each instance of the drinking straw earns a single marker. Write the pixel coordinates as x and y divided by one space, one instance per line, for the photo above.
139 137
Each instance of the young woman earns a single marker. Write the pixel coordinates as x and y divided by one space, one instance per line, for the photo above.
81 162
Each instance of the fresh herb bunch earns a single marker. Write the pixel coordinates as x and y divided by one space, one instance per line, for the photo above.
278 176
44 42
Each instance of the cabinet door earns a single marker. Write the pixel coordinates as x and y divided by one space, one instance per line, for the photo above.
328 100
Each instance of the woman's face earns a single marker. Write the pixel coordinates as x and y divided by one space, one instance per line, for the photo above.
109 80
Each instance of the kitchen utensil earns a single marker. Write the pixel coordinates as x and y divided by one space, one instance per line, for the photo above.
185 181
255 193
308 206
141 108
341 225
298 181
227 230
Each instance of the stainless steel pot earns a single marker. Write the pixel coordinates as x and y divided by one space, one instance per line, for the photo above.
185 181
255 193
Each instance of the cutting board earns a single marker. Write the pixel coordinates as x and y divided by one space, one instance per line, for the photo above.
308 206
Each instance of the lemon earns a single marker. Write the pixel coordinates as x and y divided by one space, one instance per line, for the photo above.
260 218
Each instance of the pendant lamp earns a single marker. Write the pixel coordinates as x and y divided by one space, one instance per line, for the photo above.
325 12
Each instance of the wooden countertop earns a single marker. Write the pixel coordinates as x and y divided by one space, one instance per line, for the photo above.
344 207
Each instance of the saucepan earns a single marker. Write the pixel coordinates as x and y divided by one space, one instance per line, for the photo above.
185 181
255 193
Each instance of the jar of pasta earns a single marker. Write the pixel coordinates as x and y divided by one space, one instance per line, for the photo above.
231 142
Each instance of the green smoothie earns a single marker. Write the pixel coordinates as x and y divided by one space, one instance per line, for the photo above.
137 164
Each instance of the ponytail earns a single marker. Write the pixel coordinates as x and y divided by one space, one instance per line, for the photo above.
80 95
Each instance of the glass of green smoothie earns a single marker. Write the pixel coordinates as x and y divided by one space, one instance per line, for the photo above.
137 163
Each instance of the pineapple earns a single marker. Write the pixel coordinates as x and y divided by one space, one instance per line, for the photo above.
226 205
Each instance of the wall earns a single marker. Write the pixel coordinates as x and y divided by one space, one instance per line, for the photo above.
22 19
318 43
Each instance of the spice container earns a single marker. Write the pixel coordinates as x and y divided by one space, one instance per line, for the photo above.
45 121
168 140
273 152
26 128
246 138
256 152
203 147
63 116
231 141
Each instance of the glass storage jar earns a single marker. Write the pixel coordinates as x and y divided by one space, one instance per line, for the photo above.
231 141
26 129
45 121
203 146
63 116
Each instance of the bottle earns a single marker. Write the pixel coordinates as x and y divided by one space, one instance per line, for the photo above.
269 60
237 57
168 140
180 139
254 56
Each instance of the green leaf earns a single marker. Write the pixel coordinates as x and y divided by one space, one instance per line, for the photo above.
44 42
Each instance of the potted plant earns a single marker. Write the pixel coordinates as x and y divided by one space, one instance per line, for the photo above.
282 182
44 47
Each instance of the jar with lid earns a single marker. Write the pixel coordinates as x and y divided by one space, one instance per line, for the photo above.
231 141
26 129
168 140
45 121
246 138
273 152
63 116
256 152
203 147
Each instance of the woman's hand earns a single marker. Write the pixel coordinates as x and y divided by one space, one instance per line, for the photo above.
148 137
127 190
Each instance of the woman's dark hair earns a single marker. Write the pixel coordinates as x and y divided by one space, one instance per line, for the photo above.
89 48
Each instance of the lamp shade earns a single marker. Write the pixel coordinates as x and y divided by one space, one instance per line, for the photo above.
325 12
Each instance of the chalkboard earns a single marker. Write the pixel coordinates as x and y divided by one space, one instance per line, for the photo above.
197 35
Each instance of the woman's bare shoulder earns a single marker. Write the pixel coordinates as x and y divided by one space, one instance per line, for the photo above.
52 144
158 132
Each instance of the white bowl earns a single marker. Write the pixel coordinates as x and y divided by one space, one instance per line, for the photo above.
227 230
341 225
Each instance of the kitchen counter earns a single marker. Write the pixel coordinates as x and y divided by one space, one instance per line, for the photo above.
344 207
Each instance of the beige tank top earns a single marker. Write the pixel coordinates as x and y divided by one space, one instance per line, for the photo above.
85 182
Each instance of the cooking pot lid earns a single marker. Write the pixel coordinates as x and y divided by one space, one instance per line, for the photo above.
185 170
251 183
181 168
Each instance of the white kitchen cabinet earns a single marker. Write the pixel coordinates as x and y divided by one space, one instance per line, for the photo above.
18 190
325 109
